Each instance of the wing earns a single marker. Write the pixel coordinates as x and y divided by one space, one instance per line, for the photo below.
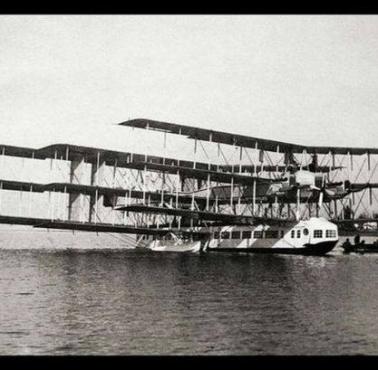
80 226
240 140
228 219
202 174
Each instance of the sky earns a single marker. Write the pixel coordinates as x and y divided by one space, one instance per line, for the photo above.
302 79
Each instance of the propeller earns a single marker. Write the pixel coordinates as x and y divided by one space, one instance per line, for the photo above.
297 215
347 188
321 194
320 201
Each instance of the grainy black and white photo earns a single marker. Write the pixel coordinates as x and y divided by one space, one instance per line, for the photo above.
188 185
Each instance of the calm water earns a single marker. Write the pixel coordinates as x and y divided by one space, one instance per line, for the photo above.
133 302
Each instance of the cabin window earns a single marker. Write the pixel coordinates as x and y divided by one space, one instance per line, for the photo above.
282 234
292 234
216 235
318 233
271 234
305 232
298 233
225 235
330 233
235 235
246 234
258 234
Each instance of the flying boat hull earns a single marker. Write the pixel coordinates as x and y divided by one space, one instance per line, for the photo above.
307 250
316 236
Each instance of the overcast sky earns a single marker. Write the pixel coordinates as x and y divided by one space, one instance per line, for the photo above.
303 79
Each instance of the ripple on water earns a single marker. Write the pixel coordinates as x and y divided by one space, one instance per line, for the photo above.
128 302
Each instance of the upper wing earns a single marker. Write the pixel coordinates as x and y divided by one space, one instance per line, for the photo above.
240 140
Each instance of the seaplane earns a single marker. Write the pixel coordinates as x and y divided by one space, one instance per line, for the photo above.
268 201
315 236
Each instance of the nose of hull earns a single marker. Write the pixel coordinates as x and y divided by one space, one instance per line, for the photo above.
319 248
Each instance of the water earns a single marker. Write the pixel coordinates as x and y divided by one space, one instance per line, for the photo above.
139 302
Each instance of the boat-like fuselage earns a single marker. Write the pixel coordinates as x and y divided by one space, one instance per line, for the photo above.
316 236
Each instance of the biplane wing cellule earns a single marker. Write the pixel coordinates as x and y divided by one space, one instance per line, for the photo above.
270 196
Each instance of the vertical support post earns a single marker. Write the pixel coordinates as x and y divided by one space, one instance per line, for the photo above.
65 204
278 152
232 192
255 163
96 206
82 209
208 193
144 184
195 153
97 167
126 204
161 198
30 200
177 187
232 164
20 204
164 147
271 210
261 159
333 160
114 172
53 195
254 198
2 169
66 200
1 194
240 159
2 158
97 184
